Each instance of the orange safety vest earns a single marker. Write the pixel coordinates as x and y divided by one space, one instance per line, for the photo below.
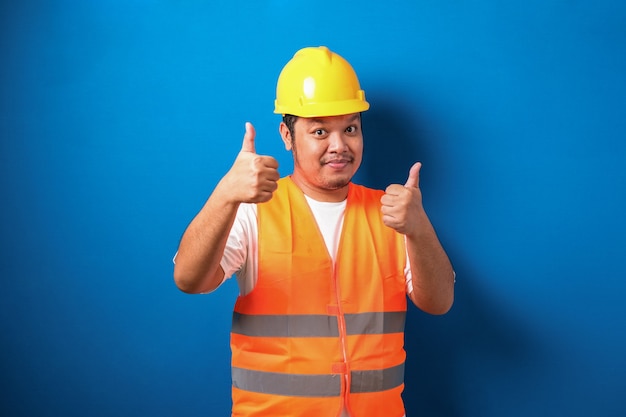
312 336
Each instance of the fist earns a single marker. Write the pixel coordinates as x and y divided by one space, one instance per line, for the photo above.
402 203
252 178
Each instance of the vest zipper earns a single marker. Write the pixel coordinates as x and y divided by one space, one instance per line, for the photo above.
342 337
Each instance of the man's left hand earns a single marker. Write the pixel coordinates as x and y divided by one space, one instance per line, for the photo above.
401 204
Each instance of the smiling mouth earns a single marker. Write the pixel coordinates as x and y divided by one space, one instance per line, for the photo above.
338 164
338 161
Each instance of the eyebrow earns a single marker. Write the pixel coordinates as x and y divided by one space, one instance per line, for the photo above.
355 117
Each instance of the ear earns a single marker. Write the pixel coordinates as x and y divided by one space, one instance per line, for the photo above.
285 135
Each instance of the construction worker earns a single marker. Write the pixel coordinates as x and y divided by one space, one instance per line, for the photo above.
324 266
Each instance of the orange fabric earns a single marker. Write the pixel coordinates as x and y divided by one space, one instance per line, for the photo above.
296 276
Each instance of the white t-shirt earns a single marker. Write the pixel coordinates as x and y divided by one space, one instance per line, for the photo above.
241 252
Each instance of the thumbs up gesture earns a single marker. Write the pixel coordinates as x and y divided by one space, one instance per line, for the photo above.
252 177
401 204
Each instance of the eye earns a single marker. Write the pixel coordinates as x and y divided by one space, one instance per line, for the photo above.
319 132
351 129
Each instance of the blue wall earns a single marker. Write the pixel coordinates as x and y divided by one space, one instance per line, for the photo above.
118 117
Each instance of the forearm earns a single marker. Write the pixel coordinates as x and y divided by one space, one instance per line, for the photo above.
431 270
201 248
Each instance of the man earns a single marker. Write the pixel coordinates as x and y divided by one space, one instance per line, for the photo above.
323 265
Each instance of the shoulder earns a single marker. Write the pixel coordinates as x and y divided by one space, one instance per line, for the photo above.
361 192
364 189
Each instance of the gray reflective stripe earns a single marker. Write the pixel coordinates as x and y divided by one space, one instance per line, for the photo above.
293 385
375 323
379 380
300 385
265 325
285 326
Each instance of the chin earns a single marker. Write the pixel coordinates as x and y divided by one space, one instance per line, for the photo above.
338 183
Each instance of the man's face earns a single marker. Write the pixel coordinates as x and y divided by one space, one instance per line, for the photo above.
327 152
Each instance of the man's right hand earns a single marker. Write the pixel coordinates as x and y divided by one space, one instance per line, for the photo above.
252 178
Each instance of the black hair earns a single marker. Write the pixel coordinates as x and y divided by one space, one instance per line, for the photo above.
290 121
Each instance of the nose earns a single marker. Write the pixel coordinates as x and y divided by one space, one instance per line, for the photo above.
337 143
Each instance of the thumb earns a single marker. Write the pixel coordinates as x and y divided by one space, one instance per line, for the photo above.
414 176
248 139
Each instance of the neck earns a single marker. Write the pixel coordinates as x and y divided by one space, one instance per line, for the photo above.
321 194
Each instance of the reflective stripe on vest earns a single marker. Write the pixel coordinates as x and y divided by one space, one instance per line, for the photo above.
310 325
294 385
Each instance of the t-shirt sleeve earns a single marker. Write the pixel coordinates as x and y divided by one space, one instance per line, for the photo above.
236 250
407 274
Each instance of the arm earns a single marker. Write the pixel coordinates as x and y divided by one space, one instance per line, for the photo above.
433 276
251 179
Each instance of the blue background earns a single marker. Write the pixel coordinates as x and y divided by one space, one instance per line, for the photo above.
117 118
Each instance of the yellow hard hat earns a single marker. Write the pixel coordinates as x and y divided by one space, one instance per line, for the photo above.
317 82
